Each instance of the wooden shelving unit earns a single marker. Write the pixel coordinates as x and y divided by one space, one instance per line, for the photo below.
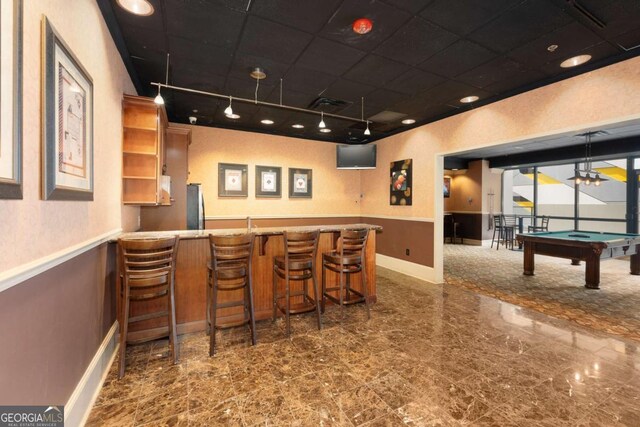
144 133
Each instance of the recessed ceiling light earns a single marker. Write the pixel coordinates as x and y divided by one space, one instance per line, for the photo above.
325 130
137 7
233 116
297 126
195 111
552 48
266 122
408 121
469 99
575 61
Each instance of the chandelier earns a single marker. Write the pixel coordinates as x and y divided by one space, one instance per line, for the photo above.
590 176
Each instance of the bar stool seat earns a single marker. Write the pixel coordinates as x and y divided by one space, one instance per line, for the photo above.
297 264
230 270
347 260
147 271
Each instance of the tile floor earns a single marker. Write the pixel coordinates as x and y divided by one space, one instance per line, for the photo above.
431 355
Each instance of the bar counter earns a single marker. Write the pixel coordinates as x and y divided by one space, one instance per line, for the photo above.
191 274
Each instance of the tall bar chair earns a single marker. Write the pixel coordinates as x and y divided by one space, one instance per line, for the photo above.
147 271
297 264
497 229
348 259
230 270
544 225
509 224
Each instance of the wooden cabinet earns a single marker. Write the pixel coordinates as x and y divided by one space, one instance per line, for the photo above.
143 145
174 217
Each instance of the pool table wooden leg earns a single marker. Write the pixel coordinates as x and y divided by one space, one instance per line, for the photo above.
635 262
592 272
529 264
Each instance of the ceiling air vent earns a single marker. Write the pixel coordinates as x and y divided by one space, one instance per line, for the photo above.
387 117
328 105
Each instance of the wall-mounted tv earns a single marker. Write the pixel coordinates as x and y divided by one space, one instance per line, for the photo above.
356 156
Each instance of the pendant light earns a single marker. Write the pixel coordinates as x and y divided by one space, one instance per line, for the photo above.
159 100
367 131
228 111
587 179
322 125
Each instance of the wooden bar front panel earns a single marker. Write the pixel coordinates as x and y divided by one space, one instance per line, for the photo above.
191 281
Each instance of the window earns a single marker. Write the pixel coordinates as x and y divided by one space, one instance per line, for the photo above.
606 201
556 195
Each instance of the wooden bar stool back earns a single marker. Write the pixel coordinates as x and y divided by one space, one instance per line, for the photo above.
297 264
497 229
148 269
230 270
348 259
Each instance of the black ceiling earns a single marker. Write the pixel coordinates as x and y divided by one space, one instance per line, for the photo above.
420 58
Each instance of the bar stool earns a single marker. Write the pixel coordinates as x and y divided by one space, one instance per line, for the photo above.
230 270
347 260
509 224
297 264
147 271
497 228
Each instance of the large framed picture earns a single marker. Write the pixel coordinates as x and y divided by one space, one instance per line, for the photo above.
300 183
232 180
11 99
401 183
268 181
67 121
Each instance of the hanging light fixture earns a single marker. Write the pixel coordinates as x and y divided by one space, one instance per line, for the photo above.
228 111
367 131
159 100
587 179
322 125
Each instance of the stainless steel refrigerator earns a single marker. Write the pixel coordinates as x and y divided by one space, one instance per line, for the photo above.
195 207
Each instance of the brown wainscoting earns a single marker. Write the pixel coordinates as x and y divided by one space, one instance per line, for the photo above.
472 225
280 222
52 326
398 235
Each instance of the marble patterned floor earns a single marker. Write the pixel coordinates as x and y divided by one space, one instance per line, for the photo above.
557 289
431 355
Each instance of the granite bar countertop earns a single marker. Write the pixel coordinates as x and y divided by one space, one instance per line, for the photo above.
258 231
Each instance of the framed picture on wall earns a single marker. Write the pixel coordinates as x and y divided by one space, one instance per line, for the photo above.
268 181
11 99
447 186
67 122
300 183
401 183
232 180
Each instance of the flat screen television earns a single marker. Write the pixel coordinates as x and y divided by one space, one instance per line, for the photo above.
356 156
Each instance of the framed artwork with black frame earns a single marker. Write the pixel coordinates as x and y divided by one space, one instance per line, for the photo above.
232 180
447 187
268 181
11 99
67 121
401 190
300 183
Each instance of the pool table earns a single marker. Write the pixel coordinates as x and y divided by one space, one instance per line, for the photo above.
588 246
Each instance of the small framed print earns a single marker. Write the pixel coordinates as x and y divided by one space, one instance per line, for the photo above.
300 183
268 181
11 99
232 180
401 192
67 122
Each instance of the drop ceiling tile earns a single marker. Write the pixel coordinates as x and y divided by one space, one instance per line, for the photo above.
386 20
355 110
628 41
498 70
412 6
458 58
465 16
243 65
307 80
520 24
212 58
570 39
140 42
244 88
305 15
598 52
384 97
198 18
291 97
193 76
329 57
414 81
519 78
620 16
348 90
152 22
376 70
264 38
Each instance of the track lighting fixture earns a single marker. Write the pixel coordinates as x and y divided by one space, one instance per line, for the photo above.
367 131
159 100
228 111
321 125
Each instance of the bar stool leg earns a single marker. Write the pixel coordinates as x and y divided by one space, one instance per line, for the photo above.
365 289
315 295
252 312
275 295
342 291
123 331
288 306
208 302
324 287
212 313
173 336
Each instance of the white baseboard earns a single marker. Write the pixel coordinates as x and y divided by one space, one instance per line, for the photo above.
412 269
79 405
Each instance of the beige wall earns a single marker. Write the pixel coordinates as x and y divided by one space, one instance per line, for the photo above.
602 96
466 189
32 228
335 192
